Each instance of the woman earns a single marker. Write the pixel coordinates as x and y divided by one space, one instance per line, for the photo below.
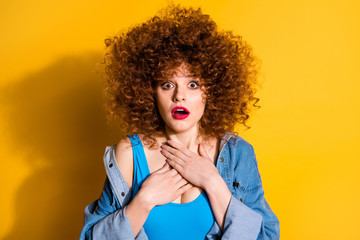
178 87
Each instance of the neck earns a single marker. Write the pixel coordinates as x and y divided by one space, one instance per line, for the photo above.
187 139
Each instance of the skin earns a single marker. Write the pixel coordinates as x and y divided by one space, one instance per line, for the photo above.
187 165
181 90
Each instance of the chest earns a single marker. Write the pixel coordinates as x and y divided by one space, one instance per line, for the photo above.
156 160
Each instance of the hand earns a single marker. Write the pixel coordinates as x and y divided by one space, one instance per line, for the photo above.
197 169
163 186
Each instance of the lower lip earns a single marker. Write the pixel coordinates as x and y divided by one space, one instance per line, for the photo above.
178 116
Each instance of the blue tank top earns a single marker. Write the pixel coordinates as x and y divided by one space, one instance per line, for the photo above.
191 221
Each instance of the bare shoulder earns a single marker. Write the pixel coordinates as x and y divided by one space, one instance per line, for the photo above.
124 159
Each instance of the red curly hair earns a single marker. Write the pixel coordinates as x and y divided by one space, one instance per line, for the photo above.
147 53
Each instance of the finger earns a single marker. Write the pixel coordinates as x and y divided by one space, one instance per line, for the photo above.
173 157
178 178
180 147
181 183
164 168
174 165
172 172
168 149
184 188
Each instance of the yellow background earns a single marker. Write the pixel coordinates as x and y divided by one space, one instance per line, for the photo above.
53 131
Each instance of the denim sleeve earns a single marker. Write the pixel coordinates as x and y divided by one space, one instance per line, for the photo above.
253 222
105 219
252 219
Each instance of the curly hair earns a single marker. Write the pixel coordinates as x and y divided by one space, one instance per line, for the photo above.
148 52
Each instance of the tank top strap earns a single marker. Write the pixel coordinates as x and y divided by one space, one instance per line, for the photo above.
141 168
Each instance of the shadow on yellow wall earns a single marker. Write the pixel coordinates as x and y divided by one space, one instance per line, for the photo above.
57 118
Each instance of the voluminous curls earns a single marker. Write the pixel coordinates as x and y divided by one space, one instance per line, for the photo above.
146 53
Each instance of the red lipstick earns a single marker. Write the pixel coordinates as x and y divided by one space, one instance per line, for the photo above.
179 112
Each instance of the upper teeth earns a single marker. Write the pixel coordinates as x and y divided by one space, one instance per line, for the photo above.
180 110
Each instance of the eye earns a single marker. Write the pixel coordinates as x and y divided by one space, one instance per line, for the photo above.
167 85
193 84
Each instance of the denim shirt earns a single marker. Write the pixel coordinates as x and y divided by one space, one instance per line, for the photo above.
248 216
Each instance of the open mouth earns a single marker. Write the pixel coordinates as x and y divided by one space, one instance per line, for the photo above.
180 112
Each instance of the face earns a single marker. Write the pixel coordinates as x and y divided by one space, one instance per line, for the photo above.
181 100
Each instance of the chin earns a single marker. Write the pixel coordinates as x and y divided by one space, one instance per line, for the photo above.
180 125
179 129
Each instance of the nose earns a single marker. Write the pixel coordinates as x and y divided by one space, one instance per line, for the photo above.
179 95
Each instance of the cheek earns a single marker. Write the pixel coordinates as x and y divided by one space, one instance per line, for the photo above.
161 103
200 104
202 99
